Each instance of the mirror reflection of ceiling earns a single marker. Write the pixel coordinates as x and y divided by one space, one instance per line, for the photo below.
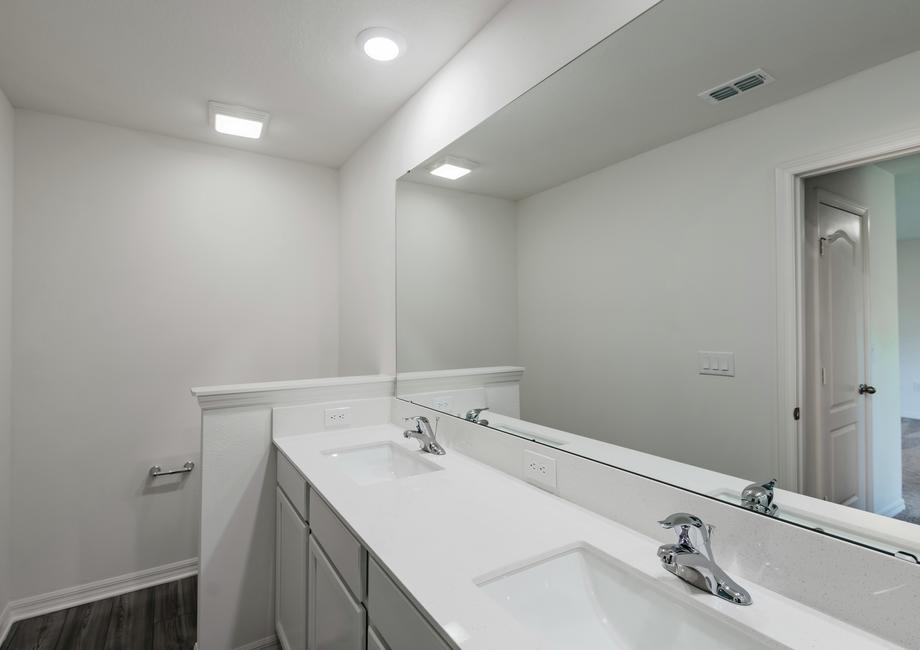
639 88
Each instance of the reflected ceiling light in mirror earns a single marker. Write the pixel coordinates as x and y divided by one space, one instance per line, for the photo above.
237 120
381 44
452 168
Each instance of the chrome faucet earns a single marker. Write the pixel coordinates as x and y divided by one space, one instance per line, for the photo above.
690 559
425 435
759 498
473 416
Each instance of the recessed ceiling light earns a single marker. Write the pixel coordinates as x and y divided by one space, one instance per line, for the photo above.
452 168
381 44
237 120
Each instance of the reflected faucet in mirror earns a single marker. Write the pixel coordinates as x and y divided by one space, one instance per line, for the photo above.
758 497
691 559
473 416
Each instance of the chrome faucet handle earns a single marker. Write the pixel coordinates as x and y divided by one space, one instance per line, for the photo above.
419 420
686 522
473 414
758 497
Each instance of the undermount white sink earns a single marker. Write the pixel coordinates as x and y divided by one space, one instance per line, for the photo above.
379 461
580 598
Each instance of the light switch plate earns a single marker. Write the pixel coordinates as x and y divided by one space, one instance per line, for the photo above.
717 363
539 469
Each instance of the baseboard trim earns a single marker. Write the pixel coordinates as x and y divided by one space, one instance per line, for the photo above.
268 643
896 507
6 622
87 593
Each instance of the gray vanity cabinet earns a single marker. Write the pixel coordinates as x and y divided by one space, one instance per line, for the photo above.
291 539
394 618
336 621
329 595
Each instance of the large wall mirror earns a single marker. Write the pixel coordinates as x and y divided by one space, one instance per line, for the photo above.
595 267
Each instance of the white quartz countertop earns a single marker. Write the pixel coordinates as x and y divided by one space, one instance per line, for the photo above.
438 532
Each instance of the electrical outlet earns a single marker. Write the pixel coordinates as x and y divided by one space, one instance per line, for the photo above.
540 469
338 417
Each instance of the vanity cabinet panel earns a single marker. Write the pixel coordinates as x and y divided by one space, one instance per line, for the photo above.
291 541
335 620
395 618
344 551
374 642
294 486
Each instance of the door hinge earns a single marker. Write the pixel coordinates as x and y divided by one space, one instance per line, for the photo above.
824 376
821 241
796 414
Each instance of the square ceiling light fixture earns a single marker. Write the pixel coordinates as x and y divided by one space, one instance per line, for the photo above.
237 120
452 168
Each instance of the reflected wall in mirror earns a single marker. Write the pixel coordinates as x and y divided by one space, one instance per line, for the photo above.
607 279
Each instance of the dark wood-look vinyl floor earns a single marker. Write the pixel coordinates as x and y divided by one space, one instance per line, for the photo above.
159 618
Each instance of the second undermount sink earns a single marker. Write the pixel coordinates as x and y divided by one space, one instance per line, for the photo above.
379 461
580 598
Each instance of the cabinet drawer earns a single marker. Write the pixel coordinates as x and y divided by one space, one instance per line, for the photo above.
294 486
395 618
344 551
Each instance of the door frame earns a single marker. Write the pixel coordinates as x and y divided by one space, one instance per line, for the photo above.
823 196
789 266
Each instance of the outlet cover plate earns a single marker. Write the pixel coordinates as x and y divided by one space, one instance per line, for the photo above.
539 469
337 418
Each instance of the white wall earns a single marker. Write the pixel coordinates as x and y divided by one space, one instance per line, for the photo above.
457 278
874 188
909 311
691 223
146 265
6 268
522 44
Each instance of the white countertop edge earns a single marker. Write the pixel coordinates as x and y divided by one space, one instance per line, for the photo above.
447 591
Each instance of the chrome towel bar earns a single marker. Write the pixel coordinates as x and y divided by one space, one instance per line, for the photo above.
156 470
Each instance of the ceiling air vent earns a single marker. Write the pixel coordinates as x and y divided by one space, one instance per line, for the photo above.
737 86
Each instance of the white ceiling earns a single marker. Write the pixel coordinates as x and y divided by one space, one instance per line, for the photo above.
154 64
638 89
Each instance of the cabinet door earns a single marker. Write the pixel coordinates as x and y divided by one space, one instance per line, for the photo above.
374 642
336 621
291 538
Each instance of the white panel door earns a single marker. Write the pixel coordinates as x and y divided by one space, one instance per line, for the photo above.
335 620
842 318
290 575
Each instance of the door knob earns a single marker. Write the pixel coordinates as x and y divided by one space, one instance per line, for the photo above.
864 389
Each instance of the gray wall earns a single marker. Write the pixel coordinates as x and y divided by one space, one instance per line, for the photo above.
146 265
6 268
457 278
909 310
